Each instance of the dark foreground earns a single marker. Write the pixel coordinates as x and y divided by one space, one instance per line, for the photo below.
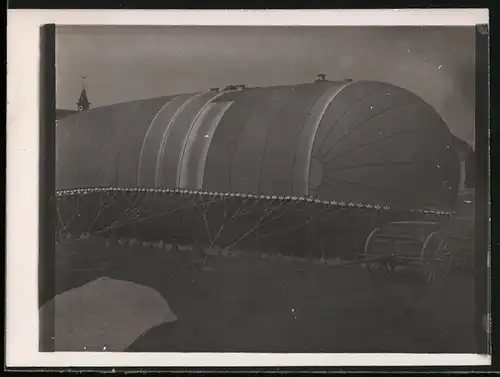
246 304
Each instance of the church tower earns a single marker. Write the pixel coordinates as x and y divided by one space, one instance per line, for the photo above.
83 103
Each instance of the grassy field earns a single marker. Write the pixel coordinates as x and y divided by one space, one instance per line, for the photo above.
246 304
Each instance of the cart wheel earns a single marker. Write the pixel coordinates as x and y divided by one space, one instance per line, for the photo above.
376 269
436 258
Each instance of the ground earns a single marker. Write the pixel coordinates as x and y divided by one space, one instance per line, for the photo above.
247 304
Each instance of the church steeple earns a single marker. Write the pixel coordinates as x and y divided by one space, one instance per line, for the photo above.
83 103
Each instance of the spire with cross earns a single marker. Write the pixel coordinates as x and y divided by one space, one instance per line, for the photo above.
83 103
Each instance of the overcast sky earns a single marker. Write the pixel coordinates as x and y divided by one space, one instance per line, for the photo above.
128 63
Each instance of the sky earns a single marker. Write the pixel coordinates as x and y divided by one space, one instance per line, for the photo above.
125 63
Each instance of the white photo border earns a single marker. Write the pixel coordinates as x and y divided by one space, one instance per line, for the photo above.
23 57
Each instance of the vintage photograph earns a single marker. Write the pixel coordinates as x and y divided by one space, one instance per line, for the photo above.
260 189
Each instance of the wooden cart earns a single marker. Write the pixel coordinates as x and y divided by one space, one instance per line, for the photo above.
417 244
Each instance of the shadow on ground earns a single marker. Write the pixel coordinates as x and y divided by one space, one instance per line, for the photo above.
246 304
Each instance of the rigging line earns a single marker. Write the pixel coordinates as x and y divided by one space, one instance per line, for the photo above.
374 164
364 122
346 110
387 193
259 179
382 190
310 109
243 129
361 146
331 178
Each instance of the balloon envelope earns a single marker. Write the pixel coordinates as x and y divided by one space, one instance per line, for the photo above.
361 141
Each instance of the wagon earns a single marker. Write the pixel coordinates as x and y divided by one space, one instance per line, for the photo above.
416 244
